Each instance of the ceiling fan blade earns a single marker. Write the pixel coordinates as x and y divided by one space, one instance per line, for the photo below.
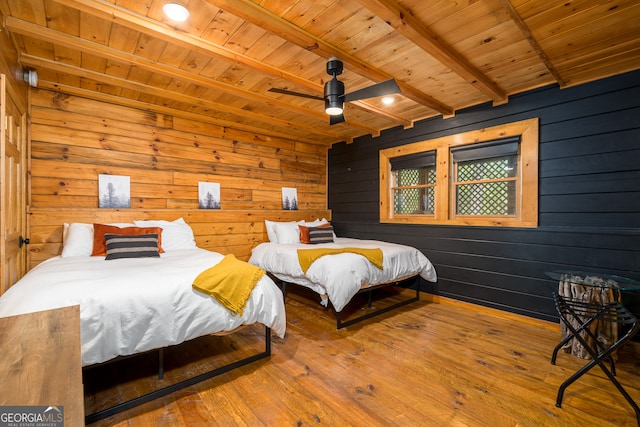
338 118
289 92
386 87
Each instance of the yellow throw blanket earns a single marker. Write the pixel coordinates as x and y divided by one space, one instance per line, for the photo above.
230 282
306 257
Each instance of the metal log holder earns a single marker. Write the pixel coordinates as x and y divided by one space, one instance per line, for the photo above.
107 412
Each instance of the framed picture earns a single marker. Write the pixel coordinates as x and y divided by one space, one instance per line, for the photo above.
289 199
114 191
209 195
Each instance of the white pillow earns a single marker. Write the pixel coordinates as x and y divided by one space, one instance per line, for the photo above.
283 232
271 230
273 227
288 232
77 238
176 235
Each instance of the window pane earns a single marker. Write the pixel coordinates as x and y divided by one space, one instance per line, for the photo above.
411 177
489 198
493 168
413 200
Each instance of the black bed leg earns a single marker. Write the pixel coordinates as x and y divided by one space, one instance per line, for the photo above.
267 341
161 364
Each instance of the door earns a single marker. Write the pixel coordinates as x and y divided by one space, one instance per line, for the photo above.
13 146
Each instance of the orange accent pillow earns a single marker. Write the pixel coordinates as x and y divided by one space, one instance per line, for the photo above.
304 232
99 230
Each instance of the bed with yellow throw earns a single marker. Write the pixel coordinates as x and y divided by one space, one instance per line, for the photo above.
339 268
136 294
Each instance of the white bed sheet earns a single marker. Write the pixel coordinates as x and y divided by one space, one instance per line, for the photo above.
129 306
341 276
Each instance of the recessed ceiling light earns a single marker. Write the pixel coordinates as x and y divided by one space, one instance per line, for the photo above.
388 100
176 12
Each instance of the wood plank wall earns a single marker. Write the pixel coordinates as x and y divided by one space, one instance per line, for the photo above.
16 88
589 198
74 139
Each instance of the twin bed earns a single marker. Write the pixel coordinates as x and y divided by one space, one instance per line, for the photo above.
136 288
337 268
136 304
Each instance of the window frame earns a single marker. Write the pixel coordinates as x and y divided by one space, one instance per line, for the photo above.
444 212
427 161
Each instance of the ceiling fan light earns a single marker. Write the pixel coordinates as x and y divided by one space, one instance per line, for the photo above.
176 12
333 111
333 91
333 107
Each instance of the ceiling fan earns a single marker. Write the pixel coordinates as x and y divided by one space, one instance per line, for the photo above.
334 96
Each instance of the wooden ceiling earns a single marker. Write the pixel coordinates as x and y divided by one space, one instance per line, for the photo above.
219 65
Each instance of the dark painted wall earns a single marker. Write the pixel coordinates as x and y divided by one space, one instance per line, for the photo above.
589 198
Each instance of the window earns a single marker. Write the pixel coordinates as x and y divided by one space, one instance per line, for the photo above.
483 177
414 179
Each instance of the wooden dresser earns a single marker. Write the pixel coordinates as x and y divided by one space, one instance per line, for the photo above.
41 363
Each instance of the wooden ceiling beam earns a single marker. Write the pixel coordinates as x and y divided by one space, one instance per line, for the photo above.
132 103
17 26
273 23
119 15
515 17
113 13
383 113
36 62
404 22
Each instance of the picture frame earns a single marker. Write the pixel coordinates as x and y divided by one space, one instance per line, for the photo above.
289 199
114 191
209 195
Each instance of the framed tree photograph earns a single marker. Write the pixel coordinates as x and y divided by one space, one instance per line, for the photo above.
114 191
209 195
289 199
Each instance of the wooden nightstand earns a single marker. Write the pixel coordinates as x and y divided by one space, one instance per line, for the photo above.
41 364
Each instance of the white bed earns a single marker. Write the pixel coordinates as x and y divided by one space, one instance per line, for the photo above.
136 304
337 278
129 306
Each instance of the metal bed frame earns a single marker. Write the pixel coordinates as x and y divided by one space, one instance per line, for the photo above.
343 324
107 412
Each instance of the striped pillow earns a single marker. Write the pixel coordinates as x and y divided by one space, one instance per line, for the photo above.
131 246
304 231
321 234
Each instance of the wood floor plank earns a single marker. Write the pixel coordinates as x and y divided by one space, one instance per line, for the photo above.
427 364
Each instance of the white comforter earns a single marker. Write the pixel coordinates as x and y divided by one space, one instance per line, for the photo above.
133 305
341 276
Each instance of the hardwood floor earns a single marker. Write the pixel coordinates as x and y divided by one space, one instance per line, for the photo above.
425 364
